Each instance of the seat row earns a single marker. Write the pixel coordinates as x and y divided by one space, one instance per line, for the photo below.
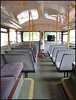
27 55
10 72
69 84
14 62
62 57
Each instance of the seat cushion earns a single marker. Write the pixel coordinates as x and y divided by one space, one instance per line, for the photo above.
11 70
7 84
35 66
50 55
36 59
57 65
53 59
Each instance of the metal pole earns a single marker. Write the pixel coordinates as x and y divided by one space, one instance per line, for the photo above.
57 25
32 31
56 31
29 31
68 29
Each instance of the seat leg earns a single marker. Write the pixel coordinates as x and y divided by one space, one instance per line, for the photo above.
64 74
67 74
26 75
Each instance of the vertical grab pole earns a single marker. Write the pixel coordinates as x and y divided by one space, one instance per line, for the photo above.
32 31
57 25
68 29
29 30
57 31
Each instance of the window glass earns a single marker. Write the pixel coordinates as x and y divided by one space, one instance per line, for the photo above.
12 36
4 39
18 37
64 38
72 14
25 36
36 36
72 37
53 33
3 30
24 16
54 17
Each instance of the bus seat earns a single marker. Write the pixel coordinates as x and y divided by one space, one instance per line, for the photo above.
61 52
26 48
21 52
11 70
7 84
65 65
54 59
25 58
55 52
53 47
2 61
49 49
57 65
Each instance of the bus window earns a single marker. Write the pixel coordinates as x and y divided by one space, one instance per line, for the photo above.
4 37
65 37
53 33
72 37
12 36
36 36
18 37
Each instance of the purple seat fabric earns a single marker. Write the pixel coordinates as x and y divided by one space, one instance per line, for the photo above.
7 84
36 58
50 55
2 61
53 59
11 70
57 65
37 52
35 66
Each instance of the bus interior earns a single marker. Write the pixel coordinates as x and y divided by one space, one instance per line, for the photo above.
38 50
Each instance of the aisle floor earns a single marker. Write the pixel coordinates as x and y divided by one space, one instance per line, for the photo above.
47 81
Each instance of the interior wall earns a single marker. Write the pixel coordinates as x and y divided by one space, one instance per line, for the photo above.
42 27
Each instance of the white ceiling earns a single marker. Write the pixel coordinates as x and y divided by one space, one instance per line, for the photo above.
51 7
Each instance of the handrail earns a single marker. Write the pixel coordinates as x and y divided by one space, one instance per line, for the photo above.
57 25
29 30
68 28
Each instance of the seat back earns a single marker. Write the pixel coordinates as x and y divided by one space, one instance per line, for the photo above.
53 46
21 52
2 61
61 52
25 58
66 65
58 48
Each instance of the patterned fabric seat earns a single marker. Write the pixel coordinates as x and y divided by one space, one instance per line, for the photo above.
11 70
7 84
9 75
